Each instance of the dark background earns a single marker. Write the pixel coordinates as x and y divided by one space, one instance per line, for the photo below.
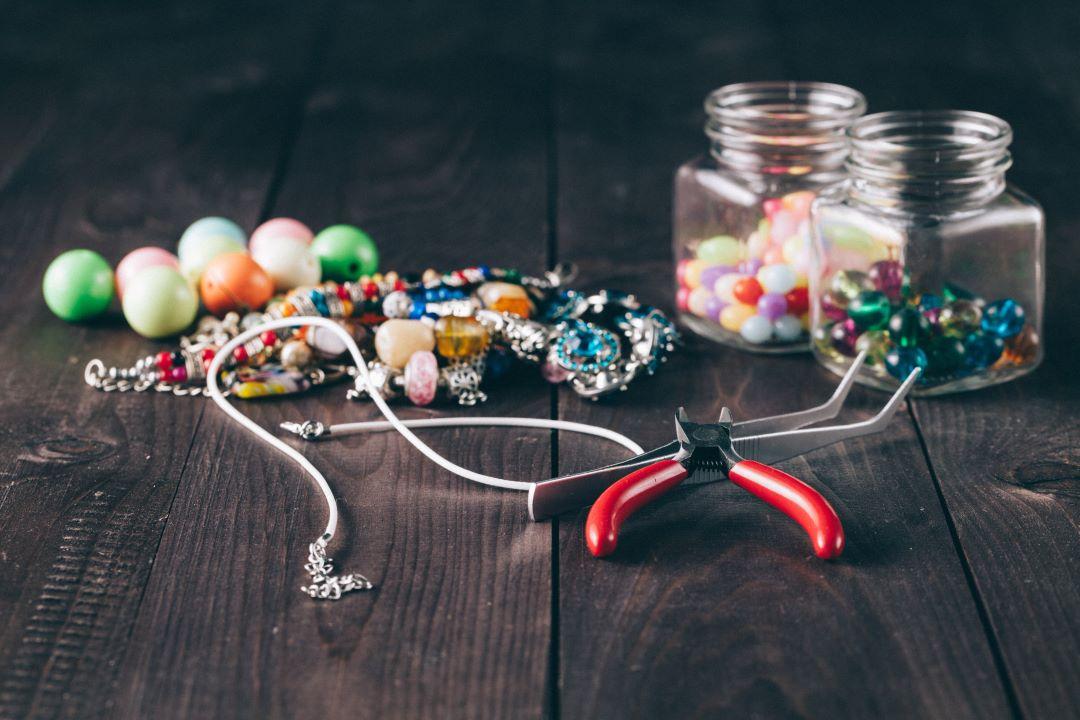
151 552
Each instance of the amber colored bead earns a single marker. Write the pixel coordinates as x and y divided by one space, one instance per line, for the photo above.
505 297
287 309
460 337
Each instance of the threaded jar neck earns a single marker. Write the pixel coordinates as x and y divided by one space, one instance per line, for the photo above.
928 161
782 128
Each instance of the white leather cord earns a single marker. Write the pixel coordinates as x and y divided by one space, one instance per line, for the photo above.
392 420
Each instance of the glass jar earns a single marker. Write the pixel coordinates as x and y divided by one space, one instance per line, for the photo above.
741 213
926 258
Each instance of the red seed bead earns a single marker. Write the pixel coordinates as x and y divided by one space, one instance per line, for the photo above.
399 284
747 290
268 338
240 354
163 360
176 374
208 357
371 289
798 301
342 292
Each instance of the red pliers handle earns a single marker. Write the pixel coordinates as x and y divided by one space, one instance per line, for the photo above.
791 496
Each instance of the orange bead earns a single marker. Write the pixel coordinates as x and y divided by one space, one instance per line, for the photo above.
516 306
287 309
234 281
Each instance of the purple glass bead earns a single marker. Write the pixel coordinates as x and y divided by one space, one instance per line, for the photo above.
713 307
750 267
711 274
831 308
772 305
888 277
844 334
932 315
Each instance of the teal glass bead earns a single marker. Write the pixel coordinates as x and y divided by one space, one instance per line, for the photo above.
1003 318
959 318
929 301
981 350
907 327
78 285
345 253
869 309
159 302
901 361
945 356
847 284
876 345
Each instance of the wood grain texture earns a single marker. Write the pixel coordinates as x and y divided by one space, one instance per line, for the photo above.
713 604
427 129
113 160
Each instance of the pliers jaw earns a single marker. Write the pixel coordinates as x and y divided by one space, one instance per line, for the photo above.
705 448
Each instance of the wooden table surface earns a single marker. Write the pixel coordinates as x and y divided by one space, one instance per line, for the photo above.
151 551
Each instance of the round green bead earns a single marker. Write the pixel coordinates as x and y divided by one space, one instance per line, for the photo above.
907 326
876 345
945 356
960 318
720 250
870 310
200 251
345 253
847 284
158 302
78 285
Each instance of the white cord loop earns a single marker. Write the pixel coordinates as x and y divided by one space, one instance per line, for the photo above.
325 585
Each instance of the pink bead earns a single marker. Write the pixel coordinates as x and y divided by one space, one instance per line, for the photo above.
772 206
136 260
280 227
421 377
176 374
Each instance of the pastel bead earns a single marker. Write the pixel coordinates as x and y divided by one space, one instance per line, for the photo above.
136 260
699 299
159 302
756 329
200 251
691 272
421 378
279 228
757 244
326 343
78 285
773 256
235 282
771 306
959 318
870 310
725 287
794 250
777 278
505 297
345 253
460 337
396 341
720 250
682 299
712 273
296 354
1003 318
288 262
782 225
208 227
798 203
713 307
787 328
733 316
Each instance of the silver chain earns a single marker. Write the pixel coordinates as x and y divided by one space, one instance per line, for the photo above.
324 584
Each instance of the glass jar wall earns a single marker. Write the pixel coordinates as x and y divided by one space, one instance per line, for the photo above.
741 213
926 258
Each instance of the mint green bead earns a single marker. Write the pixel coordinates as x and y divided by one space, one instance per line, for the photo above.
158 302
198 252
720 250
78 285
210 227
345 253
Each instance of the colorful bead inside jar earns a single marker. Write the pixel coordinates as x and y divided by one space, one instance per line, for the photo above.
741 221
929 255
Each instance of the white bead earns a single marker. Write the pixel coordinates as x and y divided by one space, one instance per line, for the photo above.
777 278
787 327
725 287
288 262
756 329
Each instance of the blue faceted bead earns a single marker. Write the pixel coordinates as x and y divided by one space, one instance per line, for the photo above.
1003 318
981 350
417 310
929 301
584 343
485 271
900 361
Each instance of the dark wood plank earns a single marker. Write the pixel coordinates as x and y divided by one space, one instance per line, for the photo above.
115 159
713 605
427 127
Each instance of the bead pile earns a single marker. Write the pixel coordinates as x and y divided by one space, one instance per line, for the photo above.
950 335
430 334
755 287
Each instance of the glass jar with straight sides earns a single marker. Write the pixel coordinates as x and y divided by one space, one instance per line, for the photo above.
927 258
741 213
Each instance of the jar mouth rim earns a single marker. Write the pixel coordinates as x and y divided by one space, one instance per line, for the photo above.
932 136
788 107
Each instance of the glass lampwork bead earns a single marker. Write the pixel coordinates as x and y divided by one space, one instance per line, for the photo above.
901 361
888 277
959 318
907 326
875 343
1003 318
460 337
1022 348
981 350
847 284
844 334
396 340
505 297
869 309
945 356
